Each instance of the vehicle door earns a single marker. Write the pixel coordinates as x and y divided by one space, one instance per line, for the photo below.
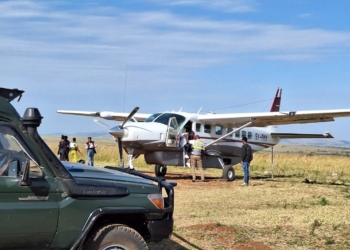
28 214
173 133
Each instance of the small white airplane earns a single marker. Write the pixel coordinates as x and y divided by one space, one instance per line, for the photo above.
156 136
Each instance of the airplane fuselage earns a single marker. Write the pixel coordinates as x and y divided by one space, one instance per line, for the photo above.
160 146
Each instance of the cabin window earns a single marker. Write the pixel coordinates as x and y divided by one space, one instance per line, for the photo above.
229 130
218 130
250 135
244 133
238 134
198 127
207 128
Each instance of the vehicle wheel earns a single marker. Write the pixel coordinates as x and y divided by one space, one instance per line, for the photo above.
115 237
228 173
160 170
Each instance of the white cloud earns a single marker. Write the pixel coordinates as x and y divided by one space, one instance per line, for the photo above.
21 9
305 15
160 46
233 6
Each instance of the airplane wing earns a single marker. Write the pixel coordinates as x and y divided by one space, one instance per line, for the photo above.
116 116
264 119
300 136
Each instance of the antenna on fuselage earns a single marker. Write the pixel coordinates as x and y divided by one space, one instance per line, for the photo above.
199 110
180 109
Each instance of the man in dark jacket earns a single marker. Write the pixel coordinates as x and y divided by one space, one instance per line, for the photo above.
62 149
247 157
67 146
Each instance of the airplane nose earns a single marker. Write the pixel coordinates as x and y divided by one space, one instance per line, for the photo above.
117 132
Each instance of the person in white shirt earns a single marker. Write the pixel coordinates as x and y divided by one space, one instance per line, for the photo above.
91 151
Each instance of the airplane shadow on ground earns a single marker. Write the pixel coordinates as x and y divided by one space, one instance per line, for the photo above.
173 245
175 176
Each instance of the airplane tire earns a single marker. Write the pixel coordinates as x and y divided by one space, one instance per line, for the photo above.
228 173
160 170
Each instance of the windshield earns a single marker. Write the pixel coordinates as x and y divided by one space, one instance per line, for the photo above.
164 118
152 117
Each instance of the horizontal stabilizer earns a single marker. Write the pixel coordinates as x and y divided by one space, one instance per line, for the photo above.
300 136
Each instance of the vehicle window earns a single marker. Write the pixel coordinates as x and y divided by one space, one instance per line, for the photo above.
207 128
198 127
152 117
229 130
250 135
218 130
244 133
173 123
238 134
14 155
164 118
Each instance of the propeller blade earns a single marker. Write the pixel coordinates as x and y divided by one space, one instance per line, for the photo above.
133 112
101 123
120 148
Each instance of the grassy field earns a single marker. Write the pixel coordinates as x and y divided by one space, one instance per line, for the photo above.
304 206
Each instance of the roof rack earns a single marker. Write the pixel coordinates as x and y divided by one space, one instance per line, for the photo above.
11 94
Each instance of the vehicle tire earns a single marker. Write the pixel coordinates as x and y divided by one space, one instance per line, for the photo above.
160 170
115 237
228 173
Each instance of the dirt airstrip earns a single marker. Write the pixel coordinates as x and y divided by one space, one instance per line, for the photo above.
219 235
269 214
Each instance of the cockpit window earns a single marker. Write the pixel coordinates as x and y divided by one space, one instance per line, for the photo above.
152 117
164 118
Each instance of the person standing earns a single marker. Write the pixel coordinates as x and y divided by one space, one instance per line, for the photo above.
182 145
188 147
247 157
197 158
62 149
73 149
91 151
67 146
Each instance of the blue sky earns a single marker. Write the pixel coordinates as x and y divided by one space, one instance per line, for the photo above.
180 53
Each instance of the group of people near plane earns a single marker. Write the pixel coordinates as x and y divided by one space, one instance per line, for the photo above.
68 151
194 151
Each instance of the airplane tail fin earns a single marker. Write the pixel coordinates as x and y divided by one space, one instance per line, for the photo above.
275 107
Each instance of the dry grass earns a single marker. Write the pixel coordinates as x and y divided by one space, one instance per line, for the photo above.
280 213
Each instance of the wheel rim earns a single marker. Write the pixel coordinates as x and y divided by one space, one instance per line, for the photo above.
230 174
115 247
162 169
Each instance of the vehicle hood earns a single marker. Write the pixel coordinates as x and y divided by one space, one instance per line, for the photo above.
78 170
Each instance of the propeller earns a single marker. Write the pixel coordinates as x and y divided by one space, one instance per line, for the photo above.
118 132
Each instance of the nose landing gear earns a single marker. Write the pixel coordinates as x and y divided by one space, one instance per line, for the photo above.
160 170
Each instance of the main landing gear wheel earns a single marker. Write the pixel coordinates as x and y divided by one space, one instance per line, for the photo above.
116 237
228 173
160 170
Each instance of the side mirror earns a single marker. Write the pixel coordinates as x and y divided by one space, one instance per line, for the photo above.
25 177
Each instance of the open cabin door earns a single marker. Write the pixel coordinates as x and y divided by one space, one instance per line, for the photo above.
172 134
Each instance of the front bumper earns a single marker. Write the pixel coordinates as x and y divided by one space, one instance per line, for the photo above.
160 229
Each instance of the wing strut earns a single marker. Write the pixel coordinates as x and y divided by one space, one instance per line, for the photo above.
228 134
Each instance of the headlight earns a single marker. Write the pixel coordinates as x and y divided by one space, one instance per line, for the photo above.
157 200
